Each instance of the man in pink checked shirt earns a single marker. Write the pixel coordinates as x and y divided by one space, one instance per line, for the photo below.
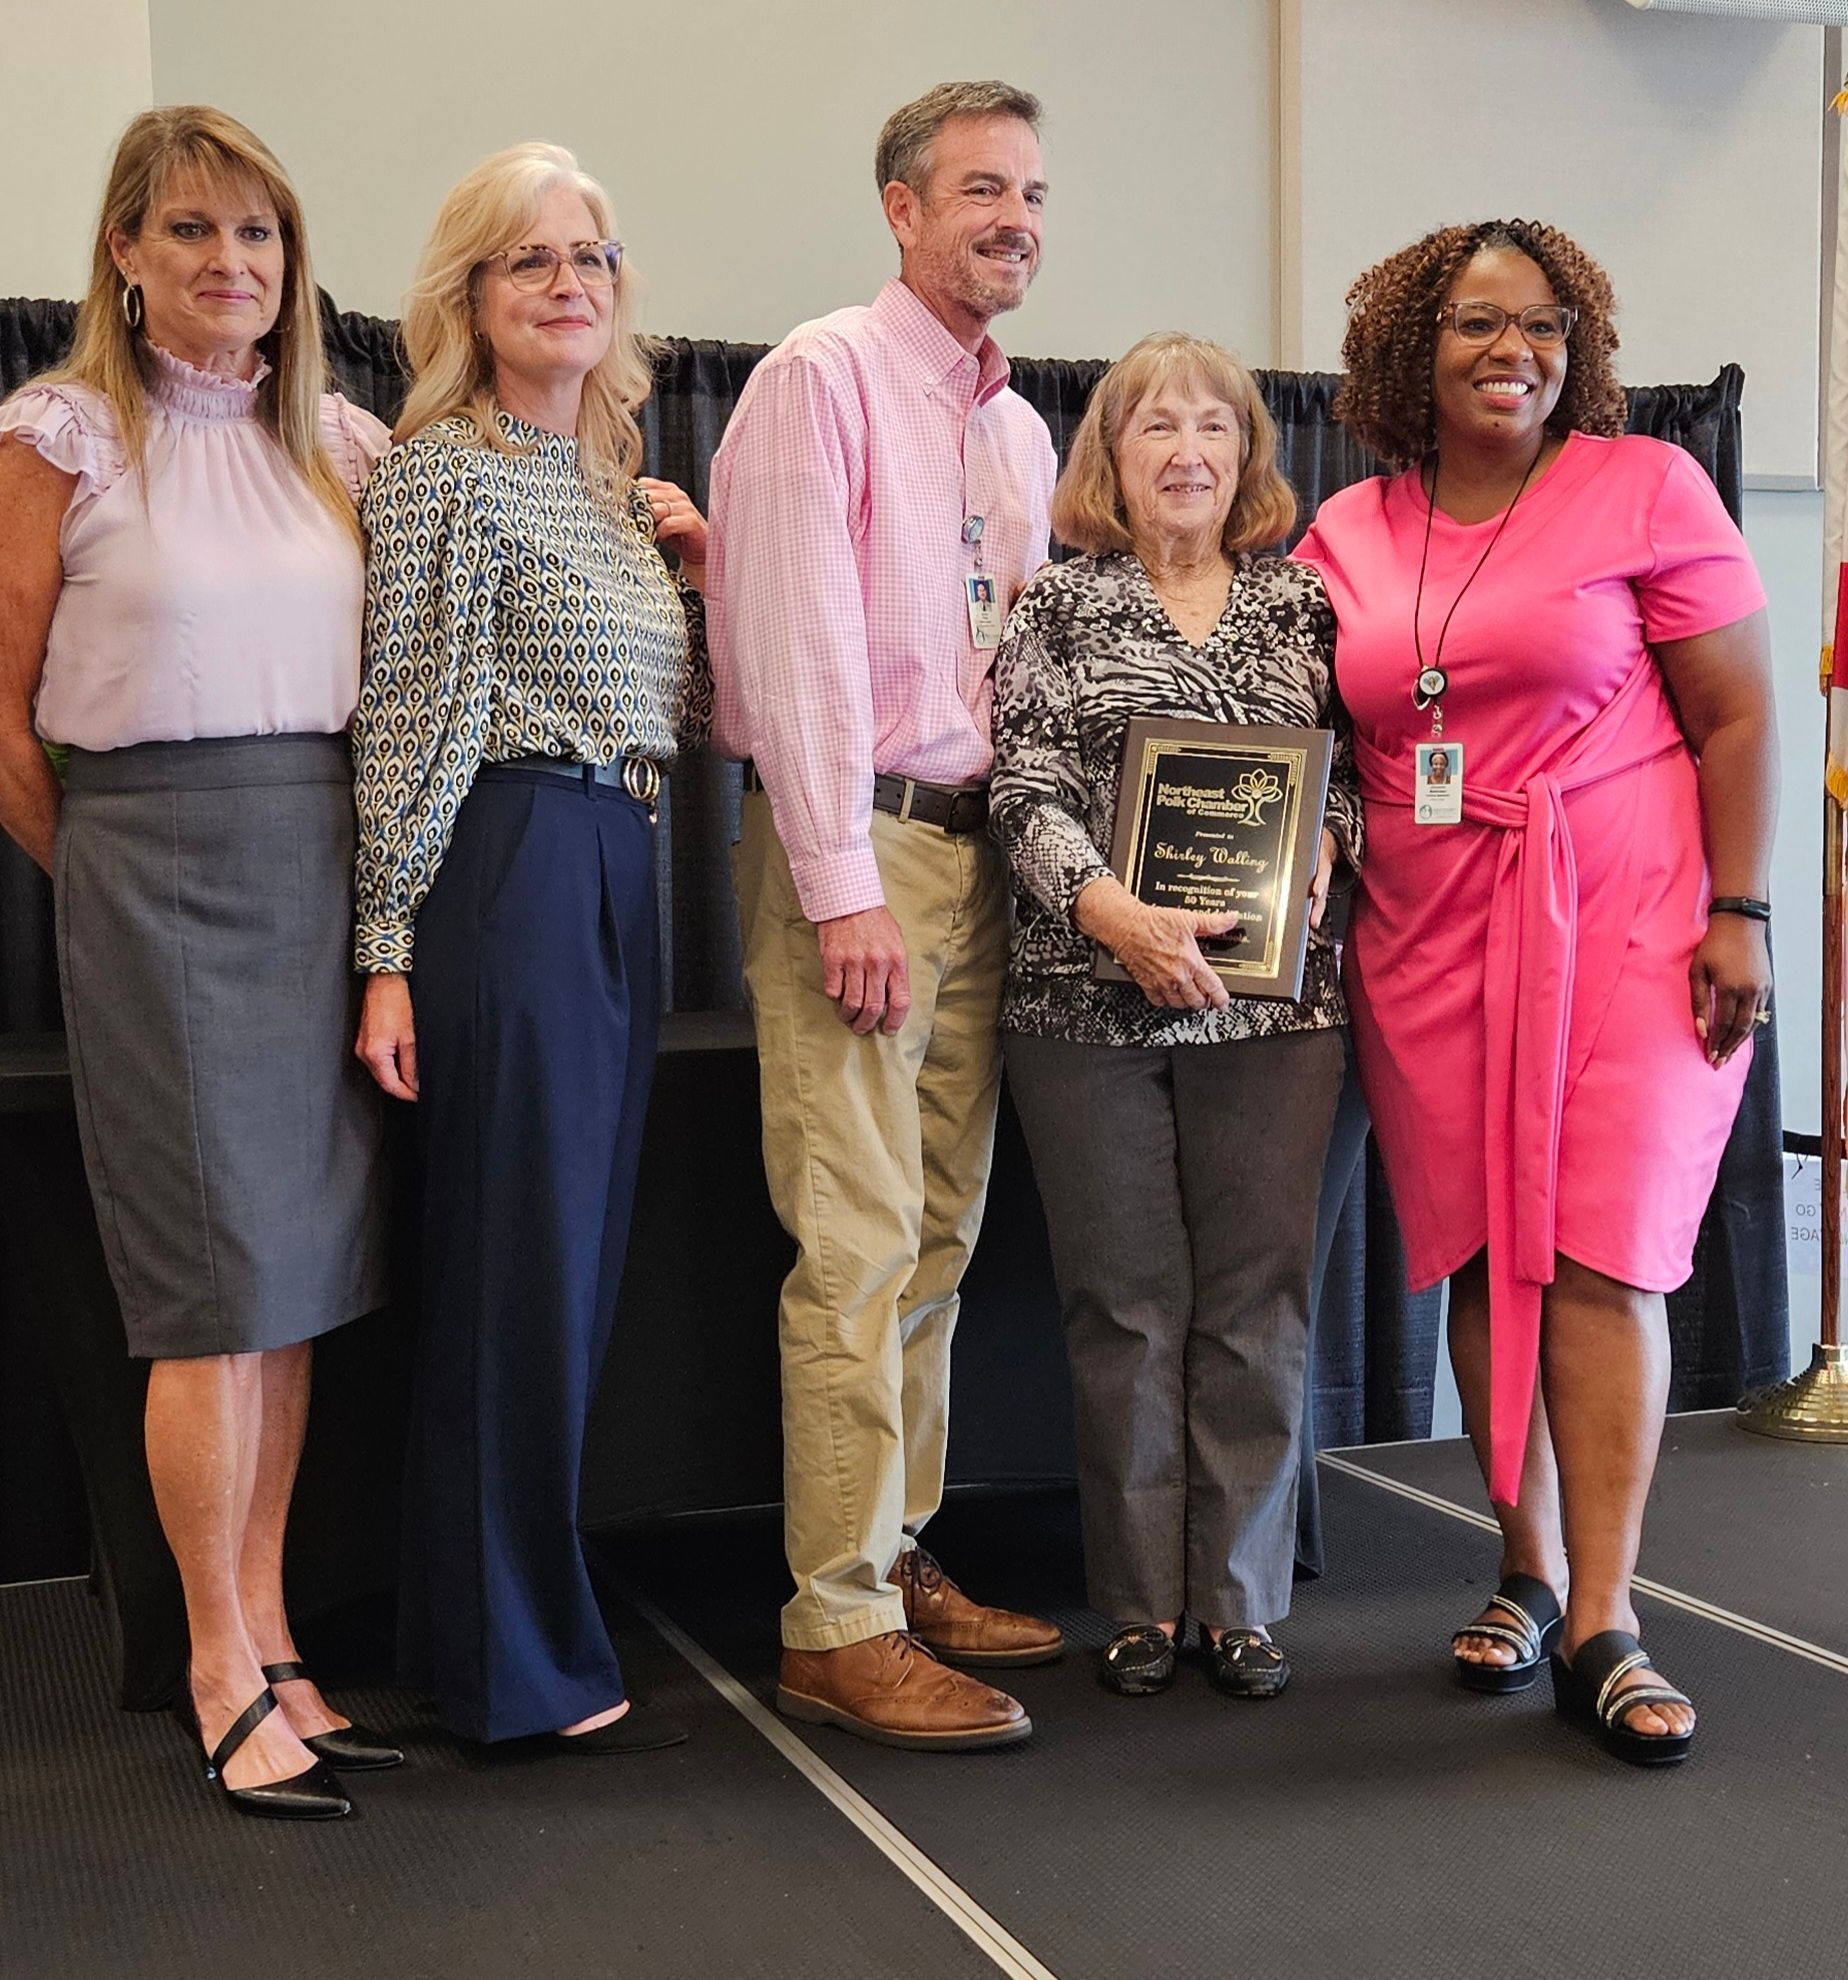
879 501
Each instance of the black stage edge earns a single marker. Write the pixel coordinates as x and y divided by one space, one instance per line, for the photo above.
1375 1822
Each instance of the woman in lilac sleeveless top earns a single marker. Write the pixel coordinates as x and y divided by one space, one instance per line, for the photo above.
1552 643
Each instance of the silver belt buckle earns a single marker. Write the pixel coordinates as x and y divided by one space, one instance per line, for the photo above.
641 778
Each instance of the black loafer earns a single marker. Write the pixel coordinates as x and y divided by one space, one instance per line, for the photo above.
1244 1664
347 1749
1139 1660
637 1731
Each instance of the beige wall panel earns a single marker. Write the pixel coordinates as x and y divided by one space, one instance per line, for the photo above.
737 138
76 71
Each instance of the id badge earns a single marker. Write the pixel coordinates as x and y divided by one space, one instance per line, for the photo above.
1437 784
984 604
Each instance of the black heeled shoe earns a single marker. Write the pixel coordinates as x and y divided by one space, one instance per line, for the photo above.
347 1749
310 1796
1532 1636
1587 1689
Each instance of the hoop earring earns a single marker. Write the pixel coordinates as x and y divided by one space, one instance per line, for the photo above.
132 310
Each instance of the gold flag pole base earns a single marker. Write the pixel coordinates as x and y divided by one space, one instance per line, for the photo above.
1811 1407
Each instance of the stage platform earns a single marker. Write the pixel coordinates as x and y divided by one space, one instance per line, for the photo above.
1376 1821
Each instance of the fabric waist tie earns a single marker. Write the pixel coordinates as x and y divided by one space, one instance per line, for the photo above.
1528 979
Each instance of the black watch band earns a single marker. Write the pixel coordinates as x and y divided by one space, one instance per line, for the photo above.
1753 910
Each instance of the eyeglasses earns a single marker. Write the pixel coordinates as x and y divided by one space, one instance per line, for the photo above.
596 264
1545 325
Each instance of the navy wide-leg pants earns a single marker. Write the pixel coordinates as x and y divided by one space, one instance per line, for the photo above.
535 990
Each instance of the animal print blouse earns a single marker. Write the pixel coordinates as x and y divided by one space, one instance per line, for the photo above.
1087 646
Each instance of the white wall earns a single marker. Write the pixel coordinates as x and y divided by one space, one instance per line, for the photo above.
1685 154
76 71
737 141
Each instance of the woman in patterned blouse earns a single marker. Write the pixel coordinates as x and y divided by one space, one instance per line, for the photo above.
531 667
1177 1132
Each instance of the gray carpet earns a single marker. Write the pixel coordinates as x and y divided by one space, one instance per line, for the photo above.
1751 1524
711 1859
1373 1823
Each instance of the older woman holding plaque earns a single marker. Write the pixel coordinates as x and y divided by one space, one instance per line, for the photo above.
1177 1131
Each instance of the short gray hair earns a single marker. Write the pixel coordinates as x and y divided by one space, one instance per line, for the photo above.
903 151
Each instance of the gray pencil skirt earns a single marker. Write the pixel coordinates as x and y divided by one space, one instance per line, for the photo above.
232 1141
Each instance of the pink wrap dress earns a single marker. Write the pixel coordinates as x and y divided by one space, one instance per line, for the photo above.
1519 981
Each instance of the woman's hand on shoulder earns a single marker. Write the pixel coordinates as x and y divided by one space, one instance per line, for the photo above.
679 526
1160 947
387 1042
1729 982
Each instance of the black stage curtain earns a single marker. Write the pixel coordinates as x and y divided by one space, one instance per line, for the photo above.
1376 1345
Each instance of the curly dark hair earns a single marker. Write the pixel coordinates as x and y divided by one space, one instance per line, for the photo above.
1391 342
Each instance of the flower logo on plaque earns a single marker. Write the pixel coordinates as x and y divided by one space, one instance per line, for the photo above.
1250 794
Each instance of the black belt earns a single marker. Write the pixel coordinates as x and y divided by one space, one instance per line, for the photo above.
638 776
954 808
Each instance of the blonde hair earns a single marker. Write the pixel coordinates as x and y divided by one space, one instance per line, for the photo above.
1087 505
111 359
452 368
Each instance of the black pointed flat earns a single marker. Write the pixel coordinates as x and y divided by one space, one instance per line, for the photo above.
347 1749
635 1732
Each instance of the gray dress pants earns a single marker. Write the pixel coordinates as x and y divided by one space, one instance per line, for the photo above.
1180 1187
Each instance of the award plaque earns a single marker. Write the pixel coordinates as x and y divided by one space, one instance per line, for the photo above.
1225 818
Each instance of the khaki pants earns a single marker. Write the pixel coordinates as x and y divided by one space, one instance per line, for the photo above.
877 1152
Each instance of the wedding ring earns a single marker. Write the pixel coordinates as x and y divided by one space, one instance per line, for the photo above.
1761 1017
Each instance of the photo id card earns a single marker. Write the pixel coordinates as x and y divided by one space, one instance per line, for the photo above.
984 601
1437 784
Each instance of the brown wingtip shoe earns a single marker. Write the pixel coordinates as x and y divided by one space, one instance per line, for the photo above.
960 1631
892 1690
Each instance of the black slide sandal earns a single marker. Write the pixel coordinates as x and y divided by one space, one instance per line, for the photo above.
1587 1690
1531 1636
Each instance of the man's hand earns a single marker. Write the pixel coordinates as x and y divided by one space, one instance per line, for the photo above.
865 970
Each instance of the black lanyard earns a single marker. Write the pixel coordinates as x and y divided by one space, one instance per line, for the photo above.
1432 683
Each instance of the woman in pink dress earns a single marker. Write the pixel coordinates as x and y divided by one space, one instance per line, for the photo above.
1558 956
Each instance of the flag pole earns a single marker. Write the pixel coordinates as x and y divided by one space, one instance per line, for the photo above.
1813 1406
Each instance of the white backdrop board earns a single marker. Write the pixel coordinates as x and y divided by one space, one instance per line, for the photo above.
736 139
1684 152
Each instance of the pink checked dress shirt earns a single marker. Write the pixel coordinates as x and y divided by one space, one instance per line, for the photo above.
835 604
